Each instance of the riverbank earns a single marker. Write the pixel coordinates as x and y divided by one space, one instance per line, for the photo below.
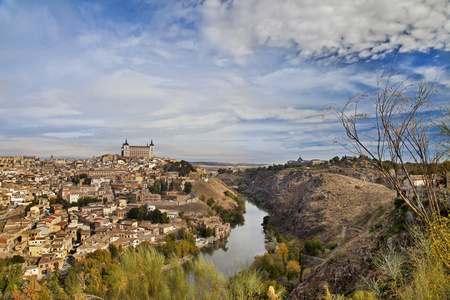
243 244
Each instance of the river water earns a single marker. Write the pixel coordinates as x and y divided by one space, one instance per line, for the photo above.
242 245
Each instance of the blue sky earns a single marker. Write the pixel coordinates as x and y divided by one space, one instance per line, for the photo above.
229 81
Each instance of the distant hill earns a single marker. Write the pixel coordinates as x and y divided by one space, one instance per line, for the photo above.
213 167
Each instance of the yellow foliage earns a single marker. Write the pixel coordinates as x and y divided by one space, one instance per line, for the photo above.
283 251
293 266
438 234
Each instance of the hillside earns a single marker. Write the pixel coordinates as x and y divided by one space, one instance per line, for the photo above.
222 200
320 206
358 215
314 204
214 189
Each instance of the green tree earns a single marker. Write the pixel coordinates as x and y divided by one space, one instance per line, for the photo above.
138 213
14 276
187 188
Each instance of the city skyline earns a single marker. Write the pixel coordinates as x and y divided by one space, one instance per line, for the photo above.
227 81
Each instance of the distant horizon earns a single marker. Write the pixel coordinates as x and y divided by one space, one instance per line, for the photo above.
162 157
242 80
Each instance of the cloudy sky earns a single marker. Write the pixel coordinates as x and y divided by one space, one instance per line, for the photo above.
211 80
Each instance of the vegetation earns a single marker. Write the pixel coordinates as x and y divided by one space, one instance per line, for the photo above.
141 273
404 127
83 178
225 171
182 167
161 185
232 216
205 231
84 201
187 188
142 213
180 246
422 272
314 247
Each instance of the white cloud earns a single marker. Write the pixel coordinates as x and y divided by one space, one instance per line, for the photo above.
67 135
233 80
45 104
318 28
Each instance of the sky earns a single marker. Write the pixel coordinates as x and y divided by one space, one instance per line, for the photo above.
211 80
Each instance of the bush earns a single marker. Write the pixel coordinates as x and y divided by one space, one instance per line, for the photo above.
331 245
313 247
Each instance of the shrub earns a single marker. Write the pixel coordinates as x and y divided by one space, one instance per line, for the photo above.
210 202
313 247
331 245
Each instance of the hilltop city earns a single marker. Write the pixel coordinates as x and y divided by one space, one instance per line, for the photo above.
56 208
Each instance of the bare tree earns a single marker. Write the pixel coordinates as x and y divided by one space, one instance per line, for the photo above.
402 128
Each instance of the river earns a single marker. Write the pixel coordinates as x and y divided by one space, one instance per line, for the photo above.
242 245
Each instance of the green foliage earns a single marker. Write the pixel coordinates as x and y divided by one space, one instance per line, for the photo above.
205 231
161 185
431 262
138 212
16 259
63 202
229 216
334 160
223 171
179 245
114 251
140 273
210 202
84 201
208 283
182 167
270 264
187 188
272 290
10 276
331 245
281 238
245 284
265 222
84 178
156 216
103 256
313 247
239 200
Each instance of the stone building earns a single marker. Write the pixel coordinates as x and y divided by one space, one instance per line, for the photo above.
138 151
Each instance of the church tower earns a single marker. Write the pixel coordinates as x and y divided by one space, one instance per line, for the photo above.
152 149
125 148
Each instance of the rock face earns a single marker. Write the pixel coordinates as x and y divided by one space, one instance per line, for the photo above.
317 205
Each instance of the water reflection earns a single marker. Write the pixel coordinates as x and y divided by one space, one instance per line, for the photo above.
242 245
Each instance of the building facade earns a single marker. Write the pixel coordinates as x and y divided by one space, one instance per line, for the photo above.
17 161
138 151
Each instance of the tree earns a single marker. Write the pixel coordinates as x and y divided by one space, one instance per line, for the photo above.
444 126
31 291
187 188
292 270
138 213
402 127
